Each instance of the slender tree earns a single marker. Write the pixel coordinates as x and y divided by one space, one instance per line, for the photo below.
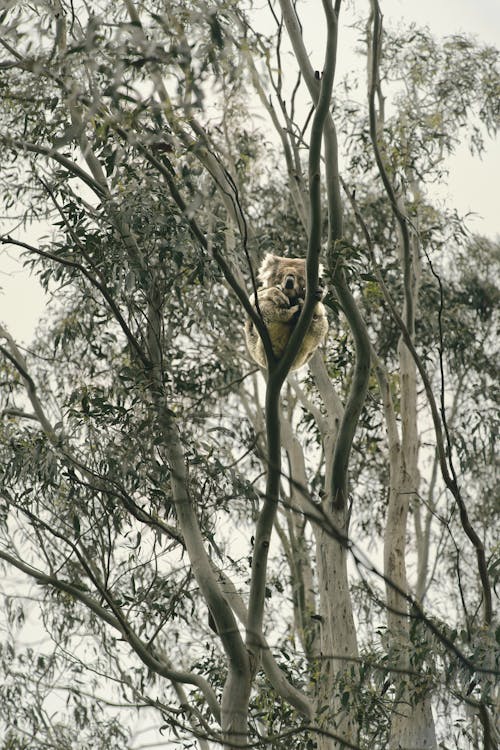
199 540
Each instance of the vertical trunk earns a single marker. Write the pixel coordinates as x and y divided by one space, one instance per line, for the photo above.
423 519
339 648
304 599
234 712
338 644
412 724
303 596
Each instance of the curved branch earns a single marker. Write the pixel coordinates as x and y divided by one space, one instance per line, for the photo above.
152 661
401 218
359 385
64 161
279 370
449 480
7 240
275 675
357 393
171 448
322 99
16 358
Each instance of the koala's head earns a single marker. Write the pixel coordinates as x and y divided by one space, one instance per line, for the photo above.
288 274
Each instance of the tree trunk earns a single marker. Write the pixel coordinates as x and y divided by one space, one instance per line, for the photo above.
339 648
412 723
234 713
338 643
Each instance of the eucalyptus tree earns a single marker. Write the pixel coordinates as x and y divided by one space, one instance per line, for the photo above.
200 534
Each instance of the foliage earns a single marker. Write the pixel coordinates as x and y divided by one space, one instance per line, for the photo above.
135 433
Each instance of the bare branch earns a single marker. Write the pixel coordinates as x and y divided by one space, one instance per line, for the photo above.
16 358
279 370
147 657
359 386
101 286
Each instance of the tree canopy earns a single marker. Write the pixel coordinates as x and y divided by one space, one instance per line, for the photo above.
194 551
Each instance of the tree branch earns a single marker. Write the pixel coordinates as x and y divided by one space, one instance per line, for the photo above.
359 387
275 675
278 370
16 358
52 153
100 286
152 661
449 480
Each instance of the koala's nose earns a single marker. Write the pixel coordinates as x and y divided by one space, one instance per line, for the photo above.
290 282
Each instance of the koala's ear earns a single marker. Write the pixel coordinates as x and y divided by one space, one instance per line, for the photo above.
268 266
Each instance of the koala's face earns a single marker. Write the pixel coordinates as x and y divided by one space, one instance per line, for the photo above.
292 281
288 274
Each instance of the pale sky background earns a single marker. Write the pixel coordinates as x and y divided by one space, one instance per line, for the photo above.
472 184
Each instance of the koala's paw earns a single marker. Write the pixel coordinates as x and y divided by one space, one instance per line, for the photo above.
296 310
278 298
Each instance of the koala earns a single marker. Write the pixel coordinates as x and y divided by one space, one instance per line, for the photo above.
281 299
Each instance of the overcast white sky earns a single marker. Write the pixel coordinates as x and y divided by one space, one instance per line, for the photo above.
472 184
